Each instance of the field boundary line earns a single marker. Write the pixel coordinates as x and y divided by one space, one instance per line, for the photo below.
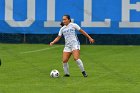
39 50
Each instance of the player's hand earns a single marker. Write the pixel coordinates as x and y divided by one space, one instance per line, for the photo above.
91 41
52 43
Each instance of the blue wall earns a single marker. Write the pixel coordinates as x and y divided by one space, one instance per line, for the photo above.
101 9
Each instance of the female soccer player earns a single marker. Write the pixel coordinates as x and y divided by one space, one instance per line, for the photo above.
72 45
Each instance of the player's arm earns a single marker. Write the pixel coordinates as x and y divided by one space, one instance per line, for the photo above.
55 40
86 35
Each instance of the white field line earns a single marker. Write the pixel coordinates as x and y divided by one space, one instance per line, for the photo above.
33 51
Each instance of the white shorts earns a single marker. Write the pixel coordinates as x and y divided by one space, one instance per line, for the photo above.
70 49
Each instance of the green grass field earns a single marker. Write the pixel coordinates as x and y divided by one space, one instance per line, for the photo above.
111 69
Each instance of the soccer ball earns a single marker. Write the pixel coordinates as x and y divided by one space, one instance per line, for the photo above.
54 73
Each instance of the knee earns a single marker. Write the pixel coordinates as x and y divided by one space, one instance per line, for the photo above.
65 60
75 58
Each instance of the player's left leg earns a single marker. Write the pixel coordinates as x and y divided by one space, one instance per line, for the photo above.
76 56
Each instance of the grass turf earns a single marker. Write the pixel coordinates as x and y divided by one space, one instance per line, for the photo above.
111 69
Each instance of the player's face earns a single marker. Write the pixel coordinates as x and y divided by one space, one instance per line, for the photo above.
66 21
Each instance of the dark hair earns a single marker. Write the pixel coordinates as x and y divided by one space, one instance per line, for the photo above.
68 16
62 24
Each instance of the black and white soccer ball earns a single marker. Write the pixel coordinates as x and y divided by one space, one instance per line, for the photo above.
54 73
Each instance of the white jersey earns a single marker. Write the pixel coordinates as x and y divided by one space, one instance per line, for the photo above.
70 35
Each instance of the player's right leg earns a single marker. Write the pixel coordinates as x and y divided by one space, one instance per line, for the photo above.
66 56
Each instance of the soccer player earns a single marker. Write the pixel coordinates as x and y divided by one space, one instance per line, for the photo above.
72 45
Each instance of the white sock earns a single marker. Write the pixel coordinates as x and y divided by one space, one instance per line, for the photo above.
80 64
66 68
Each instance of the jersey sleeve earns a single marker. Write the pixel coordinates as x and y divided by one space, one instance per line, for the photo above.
77 27
60 32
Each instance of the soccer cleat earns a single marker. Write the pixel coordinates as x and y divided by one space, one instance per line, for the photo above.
66 75
0 62
84 74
